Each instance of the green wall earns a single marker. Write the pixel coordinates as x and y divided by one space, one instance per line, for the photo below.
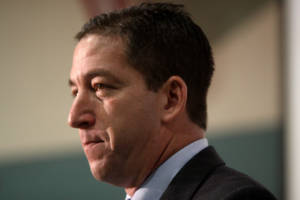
256 152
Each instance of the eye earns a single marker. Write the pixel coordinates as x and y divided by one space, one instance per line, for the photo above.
74 92
102 89
100 86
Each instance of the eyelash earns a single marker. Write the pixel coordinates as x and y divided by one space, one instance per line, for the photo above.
100 86
96 87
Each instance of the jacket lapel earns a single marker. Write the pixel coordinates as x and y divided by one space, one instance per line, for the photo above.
193 175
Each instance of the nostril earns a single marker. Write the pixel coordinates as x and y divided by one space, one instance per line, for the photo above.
84 125
83 121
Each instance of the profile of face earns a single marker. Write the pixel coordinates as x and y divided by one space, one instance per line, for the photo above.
118 117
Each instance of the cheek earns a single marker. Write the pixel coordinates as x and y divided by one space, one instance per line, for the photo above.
131 120
119 110
130 112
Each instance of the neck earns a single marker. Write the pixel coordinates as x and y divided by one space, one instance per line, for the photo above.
172 142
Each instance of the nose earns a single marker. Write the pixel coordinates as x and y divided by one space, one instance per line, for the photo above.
81 114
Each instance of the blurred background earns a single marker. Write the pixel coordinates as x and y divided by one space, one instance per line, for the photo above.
41 157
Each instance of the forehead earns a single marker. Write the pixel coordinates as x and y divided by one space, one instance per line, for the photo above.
95 52
94 43
98 47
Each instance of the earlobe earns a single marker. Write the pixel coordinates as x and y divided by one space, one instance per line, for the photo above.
175 91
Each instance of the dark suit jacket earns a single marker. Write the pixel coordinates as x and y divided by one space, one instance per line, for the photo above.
205 177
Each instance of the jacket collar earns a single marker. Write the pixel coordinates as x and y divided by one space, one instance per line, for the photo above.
193 175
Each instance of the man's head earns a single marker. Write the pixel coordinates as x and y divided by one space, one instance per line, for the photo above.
161 41
138 77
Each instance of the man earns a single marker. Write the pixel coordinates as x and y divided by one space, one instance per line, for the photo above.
140 79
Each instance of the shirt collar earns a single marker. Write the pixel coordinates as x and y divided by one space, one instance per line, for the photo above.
157 182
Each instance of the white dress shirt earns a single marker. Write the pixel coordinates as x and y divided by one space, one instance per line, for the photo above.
157 182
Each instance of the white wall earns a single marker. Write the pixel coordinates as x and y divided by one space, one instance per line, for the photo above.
36 51
246 88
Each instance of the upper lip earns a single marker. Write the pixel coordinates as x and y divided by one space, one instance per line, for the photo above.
94 140
89 138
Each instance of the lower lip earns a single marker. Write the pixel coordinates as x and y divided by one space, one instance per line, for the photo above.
93 145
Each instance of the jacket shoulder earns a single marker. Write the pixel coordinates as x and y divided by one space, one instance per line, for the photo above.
228 184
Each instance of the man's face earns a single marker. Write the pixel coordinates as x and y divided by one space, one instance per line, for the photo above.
117 116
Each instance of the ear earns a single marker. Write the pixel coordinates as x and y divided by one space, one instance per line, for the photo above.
175 94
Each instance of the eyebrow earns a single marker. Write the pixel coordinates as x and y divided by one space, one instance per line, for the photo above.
99 72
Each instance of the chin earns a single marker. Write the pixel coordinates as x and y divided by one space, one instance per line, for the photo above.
98 170
108 174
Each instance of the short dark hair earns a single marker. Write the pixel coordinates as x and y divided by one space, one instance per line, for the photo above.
162 40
